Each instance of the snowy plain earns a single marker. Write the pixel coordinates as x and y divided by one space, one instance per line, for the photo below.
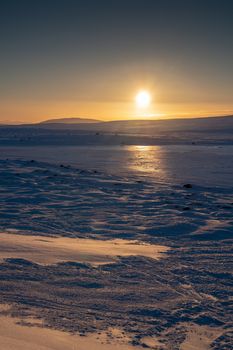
178 196
173 164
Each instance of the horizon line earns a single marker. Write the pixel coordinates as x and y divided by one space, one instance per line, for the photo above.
17 123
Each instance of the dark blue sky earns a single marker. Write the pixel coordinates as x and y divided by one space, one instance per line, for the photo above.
97 53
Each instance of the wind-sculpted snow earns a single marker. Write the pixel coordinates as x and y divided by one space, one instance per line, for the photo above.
180 300
62 249
40 198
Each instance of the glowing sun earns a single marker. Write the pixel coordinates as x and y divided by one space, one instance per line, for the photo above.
143 99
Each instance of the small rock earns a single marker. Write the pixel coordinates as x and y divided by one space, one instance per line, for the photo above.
188 186
186 208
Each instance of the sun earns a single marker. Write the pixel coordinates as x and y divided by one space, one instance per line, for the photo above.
143 99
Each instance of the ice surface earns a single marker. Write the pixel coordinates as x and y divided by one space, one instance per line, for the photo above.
122 193
204 165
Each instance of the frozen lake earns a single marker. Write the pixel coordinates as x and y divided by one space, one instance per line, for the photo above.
60 225
202 165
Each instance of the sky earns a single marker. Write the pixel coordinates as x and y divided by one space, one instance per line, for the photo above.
89 58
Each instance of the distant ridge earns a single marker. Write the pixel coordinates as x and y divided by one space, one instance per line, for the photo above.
141 126
217 125
201 131
74 120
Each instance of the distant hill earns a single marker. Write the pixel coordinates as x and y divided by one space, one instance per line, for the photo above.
11 122
208 131
152 128
146 127
71 121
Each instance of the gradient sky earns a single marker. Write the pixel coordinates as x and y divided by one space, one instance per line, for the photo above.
90 57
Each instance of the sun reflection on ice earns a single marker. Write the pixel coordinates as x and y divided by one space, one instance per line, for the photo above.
148 159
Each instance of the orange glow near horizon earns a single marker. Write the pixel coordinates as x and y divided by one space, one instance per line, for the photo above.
36 111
